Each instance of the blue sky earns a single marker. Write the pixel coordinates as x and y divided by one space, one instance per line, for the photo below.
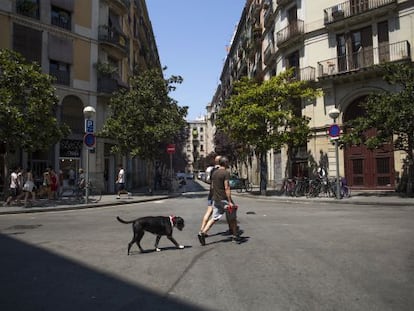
191 37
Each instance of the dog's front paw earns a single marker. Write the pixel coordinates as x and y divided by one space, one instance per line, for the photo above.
181 246
158 249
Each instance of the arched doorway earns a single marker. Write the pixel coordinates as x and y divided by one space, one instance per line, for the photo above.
364 168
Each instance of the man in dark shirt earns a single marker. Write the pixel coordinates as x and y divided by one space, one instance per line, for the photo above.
222 202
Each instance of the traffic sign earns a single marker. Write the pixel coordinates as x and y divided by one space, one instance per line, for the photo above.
89 126
334 130
170 148
89 140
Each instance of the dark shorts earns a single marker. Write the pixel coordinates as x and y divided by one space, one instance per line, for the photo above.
13 192
120 186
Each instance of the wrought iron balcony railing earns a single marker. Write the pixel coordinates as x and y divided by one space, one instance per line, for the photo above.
113 36
351 8
365 57
294 30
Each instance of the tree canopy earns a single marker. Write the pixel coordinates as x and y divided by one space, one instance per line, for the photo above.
27 106
262 116
144 118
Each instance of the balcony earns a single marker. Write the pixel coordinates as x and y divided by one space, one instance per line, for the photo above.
29 8
61 77
269 54
352 11
110 84
284 2
114 40
307 74
291 33
121 6
365 58
269 16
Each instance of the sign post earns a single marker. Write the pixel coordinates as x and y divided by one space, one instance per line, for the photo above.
89 140
334 133
171 151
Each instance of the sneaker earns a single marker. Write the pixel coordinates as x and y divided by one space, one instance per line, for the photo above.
118 197
228 232
236 239
129 194
202 238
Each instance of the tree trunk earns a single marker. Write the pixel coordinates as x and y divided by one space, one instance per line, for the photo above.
263 173
410 179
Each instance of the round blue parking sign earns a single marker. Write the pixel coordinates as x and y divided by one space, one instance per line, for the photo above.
334 130
89 140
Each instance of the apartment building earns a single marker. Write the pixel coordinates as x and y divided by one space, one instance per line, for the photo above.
196 147
335 45
91 47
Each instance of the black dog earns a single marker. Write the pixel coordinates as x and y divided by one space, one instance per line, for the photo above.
158 225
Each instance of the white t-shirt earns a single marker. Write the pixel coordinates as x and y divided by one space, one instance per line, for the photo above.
13 180
121 176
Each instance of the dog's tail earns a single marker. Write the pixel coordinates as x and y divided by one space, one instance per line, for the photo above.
124 221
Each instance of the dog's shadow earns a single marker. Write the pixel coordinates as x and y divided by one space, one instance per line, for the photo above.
162 249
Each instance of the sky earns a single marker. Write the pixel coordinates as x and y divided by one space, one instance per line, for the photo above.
191 37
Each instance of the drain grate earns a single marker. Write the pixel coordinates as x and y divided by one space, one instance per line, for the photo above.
23 227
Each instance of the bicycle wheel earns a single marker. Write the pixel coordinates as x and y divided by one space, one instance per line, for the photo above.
346 192
95 195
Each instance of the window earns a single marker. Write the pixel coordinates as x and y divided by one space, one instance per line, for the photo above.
60 18
61 71
28 8
28 42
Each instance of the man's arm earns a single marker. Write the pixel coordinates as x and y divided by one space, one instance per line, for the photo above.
228 191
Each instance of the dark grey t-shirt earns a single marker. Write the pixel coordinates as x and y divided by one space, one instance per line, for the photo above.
217 182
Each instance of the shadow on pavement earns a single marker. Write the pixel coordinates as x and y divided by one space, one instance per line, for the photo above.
35 279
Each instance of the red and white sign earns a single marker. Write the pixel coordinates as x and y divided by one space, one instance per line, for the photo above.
170 148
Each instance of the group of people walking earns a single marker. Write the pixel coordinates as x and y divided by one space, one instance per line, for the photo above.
220 202
22 186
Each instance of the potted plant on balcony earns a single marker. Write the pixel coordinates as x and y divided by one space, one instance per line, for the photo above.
27 7
105 69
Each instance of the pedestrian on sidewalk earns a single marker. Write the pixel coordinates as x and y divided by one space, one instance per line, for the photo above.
222 201
29 187
13 187
120 182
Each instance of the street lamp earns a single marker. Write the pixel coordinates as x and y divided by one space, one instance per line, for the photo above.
89 141
334 114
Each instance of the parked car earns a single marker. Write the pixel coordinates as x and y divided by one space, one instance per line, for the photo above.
201 175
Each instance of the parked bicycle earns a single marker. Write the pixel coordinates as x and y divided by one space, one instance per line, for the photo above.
94 194
345 191
241 184
288 187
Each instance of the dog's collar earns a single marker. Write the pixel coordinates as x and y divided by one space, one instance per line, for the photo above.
172 220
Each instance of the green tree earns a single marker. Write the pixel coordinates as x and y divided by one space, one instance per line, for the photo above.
262 116
391 114
27 107
144 119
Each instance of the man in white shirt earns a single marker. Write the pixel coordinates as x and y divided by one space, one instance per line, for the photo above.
120 182
13 188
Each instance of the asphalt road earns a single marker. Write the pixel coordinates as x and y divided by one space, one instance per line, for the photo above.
295 257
